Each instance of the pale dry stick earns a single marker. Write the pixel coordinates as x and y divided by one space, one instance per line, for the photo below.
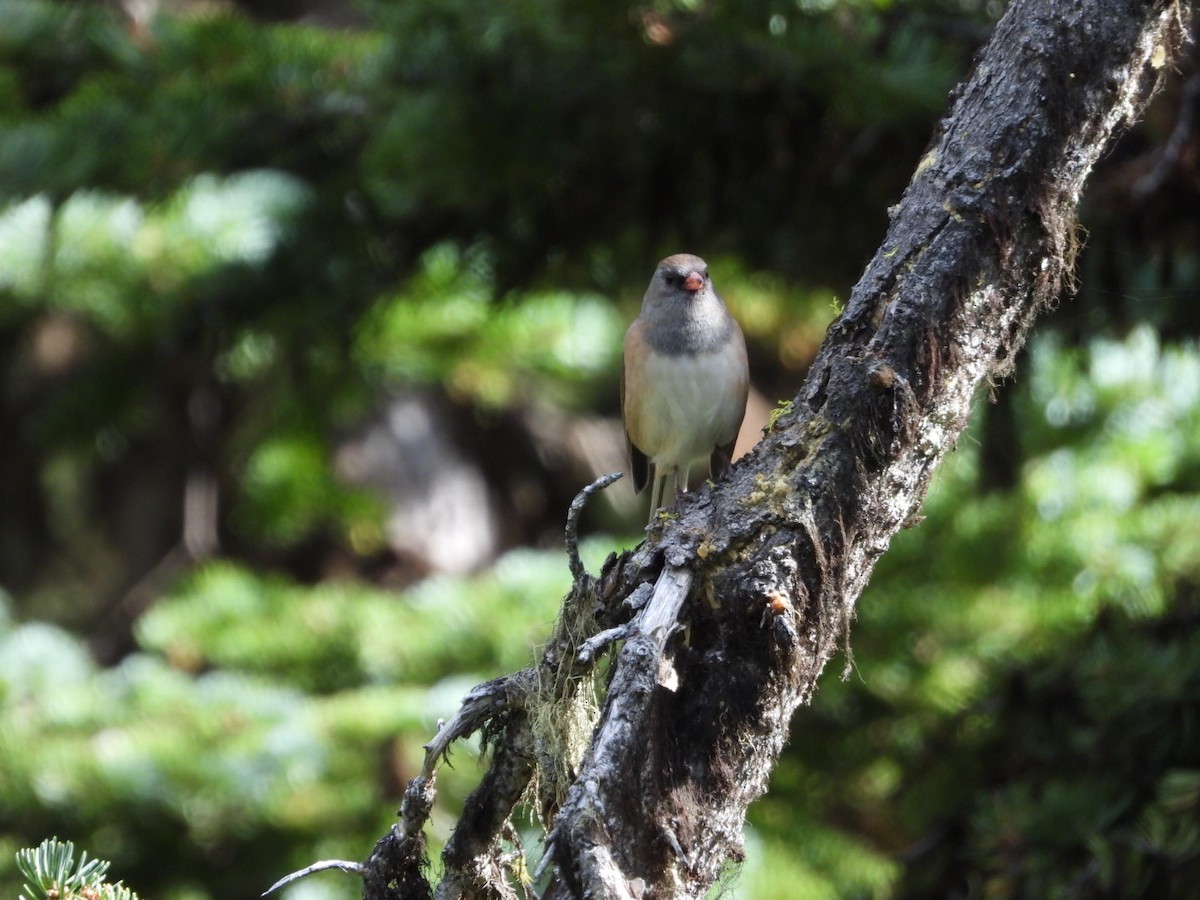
341 864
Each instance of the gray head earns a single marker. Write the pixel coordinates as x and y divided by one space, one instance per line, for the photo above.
685 313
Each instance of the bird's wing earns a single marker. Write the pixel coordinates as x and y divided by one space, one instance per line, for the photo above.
722 454
639 463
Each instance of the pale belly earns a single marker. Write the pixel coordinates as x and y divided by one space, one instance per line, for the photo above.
696 403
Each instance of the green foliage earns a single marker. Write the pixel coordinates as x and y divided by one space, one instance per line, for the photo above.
348 634
1026 663
1071 759
249 90
826 865
222 242
572 98
257 713
123 266
1091 767
443 328
56 876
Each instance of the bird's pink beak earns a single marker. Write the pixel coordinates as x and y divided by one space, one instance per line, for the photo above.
693 282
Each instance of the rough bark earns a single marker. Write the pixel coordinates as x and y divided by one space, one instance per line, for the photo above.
763 571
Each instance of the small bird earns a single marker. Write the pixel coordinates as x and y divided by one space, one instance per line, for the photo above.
684 379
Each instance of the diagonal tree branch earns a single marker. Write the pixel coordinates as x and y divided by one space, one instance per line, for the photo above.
982 239
762 572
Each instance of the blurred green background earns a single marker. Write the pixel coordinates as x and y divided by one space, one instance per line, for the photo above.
310 316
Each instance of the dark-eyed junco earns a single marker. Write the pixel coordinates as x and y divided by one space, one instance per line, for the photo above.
684 379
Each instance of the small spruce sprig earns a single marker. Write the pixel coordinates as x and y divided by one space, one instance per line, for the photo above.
53 874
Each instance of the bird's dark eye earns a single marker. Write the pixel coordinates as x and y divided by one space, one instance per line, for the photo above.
670 279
